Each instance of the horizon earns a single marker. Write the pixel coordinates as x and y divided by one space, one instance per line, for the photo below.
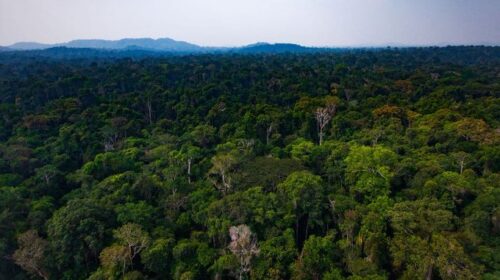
225 23
381 45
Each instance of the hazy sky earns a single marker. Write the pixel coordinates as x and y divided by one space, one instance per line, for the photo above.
238 22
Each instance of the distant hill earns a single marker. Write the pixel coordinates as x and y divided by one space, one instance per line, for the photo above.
29 46
162 44
274 48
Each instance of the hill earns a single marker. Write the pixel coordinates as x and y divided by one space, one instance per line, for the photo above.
162 44
274 48
165 45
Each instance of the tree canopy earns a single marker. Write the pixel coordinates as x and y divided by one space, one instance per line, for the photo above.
348 164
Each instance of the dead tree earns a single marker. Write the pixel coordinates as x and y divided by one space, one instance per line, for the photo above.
30 255
134 238
244 246
323 117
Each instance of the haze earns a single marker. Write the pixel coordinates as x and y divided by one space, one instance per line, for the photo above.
240 22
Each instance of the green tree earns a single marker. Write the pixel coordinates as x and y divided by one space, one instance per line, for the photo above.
304 196
420 236
370 170
77 233
318 256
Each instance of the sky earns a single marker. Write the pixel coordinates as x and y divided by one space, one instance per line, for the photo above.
239 22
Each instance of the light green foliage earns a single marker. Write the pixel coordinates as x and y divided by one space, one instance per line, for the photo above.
318 256
372 235
158 257
275 255
140 213
421 243
369 170
203 135
301 150
111 162
305 197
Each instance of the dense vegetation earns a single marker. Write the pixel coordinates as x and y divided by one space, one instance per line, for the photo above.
360 164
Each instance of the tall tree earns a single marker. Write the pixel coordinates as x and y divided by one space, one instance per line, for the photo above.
31 254
244 246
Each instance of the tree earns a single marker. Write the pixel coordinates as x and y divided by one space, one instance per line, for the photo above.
31 254
323 116
113 132
301 149
421 244
304 194
134 238
220 173
318 256
158 257
140 213
77 233
267 123
46 173
276 255
475 130
370 170
462 160
117 258
203 135
244 246
373 237
267 172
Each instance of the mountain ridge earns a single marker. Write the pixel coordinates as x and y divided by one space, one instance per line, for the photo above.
159 45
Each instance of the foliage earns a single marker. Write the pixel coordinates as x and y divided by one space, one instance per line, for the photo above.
345 164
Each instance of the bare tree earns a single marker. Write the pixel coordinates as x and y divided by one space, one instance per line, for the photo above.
30 255
245 146
219 173
46 173
269 132
323 117
462 159
347 94
113 132
132 236
191 154
149 109
244 246
189 162
176 201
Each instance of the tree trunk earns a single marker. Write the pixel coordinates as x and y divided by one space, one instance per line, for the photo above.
150 113
268 133
307 228
428 275
189 170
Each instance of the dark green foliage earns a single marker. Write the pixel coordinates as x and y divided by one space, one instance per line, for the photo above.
137 168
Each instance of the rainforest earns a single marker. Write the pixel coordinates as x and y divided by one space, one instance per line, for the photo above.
378 163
